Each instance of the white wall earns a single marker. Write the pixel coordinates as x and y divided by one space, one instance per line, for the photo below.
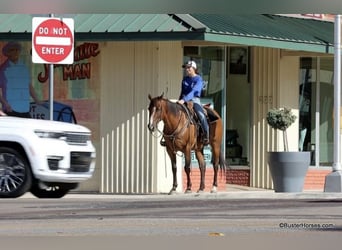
289 97
265 92
131 160
275 85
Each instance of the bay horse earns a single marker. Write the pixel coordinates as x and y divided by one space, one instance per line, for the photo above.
182 134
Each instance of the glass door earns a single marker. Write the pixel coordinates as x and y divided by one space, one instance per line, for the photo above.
316 100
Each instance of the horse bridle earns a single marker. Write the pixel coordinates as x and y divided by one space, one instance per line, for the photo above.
174 134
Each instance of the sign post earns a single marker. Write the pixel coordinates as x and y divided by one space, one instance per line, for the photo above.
52 43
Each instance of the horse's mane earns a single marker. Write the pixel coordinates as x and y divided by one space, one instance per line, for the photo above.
173 107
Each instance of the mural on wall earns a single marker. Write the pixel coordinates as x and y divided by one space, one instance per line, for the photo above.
15 82
75 85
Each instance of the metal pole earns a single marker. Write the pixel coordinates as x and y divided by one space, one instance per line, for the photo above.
333 181
337 94
51 87
224 101
317 147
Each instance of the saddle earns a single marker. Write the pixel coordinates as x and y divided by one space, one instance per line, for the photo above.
192 116
208 111
211 115
189 109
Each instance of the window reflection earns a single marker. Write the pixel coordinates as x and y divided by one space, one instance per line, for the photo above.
316 92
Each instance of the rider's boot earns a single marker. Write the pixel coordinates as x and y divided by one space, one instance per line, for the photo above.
206 138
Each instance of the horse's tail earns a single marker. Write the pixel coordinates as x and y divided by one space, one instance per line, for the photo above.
222 162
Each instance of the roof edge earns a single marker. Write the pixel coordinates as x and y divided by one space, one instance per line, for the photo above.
191 21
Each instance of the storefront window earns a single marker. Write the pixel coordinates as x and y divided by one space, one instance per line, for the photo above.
316 92
238 107
211 65
225 71
210 62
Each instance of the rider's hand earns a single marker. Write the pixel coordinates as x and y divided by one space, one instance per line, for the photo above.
180 101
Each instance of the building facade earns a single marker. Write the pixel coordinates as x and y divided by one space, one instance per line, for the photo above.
249 63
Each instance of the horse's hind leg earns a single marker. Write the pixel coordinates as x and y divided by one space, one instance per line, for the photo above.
187 171
215 157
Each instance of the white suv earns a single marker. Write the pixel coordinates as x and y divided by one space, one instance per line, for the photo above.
46 158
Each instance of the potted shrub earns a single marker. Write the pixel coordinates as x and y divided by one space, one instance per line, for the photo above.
288 169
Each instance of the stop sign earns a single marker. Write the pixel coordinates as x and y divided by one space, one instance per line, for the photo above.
52 40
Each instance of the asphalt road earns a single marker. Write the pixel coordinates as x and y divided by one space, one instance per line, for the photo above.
207 218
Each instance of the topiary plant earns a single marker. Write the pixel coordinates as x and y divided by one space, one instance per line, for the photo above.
281 119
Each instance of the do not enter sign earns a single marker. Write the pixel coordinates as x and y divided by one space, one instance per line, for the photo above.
52 40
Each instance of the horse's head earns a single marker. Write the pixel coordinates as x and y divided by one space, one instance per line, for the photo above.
155 112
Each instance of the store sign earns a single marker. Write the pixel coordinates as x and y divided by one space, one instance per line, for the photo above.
52 40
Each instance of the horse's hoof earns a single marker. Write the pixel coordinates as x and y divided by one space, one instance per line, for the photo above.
172 192
200 191
213 190
188 191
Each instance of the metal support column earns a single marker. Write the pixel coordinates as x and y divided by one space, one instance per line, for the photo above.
333 181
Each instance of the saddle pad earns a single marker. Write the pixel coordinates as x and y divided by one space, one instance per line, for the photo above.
211 114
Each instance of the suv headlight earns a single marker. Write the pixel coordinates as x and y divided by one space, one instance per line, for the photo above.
50 134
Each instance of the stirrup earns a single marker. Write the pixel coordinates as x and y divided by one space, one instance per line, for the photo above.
205 140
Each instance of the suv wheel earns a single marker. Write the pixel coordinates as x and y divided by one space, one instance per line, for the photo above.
52 190
15 173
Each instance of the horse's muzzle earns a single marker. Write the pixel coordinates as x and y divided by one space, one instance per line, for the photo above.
150 127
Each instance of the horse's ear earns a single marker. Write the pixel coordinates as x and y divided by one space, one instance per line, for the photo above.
149 97
161 96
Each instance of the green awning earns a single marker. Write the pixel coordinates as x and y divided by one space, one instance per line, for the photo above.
274 31
270 31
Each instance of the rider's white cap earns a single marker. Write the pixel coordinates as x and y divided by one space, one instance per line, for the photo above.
190 64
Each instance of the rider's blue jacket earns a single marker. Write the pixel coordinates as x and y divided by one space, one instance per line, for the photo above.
191 88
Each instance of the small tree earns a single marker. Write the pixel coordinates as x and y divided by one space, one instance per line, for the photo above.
281 119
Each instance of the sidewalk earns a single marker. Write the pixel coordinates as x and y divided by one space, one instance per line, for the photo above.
237 188
244 192
232 192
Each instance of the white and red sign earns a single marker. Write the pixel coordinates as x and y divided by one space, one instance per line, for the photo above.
52 40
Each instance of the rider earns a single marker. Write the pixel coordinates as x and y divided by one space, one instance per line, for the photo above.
192 85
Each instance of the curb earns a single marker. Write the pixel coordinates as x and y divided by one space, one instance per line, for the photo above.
234 195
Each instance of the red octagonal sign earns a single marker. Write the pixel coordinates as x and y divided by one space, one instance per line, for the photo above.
52 40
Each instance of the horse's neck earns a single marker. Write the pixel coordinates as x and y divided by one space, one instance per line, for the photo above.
171 117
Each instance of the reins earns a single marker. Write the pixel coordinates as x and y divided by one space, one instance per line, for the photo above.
175 133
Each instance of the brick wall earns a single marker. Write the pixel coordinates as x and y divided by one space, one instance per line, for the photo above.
238 177
314 179
209 177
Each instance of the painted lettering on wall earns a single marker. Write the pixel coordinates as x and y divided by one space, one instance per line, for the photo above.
75 71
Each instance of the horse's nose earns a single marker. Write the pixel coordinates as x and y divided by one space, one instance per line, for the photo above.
150 127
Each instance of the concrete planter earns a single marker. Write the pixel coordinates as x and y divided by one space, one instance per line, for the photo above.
288 170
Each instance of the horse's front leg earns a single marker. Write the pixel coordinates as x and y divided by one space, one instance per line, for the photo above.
173 158
188 170
202 167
